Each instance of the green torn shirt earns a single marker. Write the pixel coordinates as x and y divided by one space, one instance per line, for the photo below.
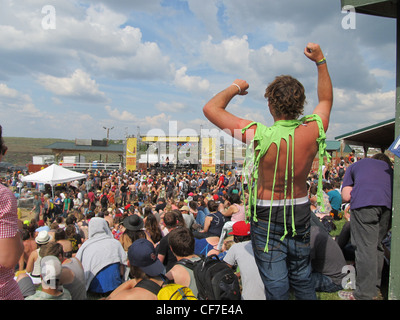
265 137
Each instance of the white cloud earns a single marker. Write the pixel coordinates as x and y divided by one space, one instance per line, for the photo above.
120 116
101 17
158 121
15 39
92 37
230 55
290 25
145 61
354 110
7 92
378 102
78 85
190 83
351 101
14 101
258 66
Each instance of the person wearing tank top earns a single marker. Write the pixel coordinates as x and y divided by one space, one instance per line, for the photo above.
75 279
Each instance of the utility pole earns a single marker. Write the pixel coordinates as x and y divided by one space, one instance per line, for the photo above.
108 137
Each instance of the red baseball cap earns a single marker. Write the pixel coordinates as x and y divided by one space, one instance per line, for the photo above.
240 228
216 197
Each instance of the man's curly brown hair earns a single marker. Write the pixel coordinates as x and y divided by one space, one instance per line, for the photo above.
286 97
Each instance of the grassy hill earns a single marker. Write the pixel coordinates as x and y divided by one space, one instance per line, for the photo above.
21 150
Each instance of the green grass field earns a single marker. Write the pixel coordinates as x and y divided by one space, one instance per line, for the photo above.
21 150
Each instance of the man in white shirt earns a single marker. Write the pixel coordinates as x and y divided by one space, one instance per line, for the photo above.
241 254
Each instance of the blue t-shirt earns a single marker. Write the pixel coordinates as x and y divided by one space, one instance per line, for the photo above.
335 199
372 182
202 247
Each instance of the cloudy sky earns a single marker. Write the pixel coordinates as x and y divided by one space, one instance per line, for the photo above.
71 67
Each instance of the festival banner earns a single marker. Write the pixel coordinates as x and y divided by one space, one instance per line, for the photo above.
131 150
208 154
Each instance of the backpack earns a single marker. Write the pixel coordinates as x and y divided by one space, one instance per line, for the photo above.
103 199
215 280
204 184
184 186
341 172
174 291
226 181
149 286
328 223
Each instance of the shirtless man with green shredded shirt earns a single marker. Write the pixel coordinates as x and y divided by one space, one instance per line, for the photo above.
278 161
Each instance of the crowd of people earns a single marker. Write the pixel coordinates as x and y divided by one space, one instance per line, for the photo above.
90 226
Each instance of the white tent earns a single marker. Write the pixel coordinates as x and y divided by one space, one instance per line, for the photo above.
53 175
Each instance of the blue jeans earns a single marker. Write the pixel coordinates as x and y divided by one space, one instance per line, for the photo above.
323 283
287 263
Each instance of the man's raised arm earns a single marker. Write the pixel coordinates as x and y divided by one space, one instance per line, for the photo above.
215 109
325 91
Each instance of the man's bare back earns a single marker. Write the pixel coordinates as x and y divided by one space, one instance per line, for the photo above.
304 153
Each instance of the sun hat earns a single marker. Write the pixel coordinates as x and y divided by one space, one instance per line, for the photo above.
240 228
43 237
184 208
50 269
142 254
133 222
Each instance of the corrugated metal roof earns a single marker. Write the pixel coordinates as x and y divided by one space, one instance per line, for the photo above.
380 135
382 8
334 145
